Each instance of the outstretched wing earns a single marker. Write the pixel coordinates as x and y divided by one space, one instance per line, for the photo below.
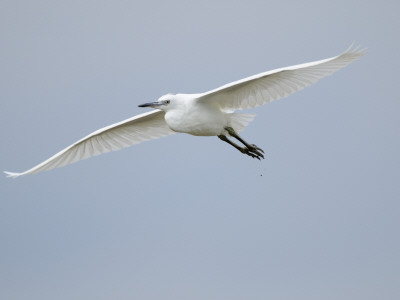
265 87
129 132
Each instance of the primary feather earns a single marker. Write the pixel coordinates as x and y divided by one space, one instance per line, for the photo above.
265 87
129 132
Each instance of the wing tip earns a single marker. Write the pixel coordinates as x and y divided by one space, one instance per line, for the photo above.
12 174
359 50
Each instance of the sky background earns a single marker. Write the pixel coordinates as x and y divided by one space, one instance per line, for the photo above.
188 217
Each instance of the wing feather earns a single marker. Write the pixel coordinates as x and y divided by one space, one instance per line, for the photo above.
265 87
129 132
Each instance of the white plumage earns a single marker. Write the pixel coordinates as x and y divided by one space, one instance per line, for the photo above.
205 114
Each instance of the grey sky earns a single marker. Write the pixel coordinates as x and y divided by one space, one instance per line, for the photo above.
188 217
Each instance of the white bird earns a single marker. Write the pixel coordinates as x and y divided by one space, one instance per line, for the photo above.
205 114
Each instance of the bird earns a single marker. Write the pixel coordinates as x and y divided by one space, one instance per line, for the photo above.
210 113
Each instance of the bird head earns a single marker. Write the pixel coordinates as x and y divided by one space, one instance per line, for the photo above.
164 102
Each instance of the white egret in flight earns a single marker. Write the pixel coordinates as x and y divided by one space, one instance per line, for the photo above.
205 114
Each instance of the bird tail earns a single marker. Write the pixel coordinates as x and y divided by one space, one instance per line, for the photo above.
240 121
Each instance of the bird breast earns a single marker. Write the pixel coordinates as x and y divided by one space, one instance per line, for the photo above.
199 119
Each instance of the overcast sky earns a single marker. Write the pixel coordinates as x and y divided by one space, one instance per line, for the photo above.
188 217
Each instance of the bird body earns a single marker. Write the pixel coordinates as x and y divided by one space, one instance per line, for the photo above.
187 115
203 114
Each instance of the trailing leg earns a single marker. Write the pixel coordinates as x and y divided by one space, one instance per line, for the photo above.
244 150
251 147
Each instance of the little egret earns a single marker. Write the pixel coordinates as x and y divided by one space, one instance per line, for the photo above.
205 114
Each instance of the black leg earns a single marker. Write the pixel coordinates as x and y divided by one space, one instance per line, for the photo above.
251 147
244 150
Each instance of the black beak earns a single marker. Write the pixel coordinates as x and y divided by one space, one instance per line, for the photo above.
151 104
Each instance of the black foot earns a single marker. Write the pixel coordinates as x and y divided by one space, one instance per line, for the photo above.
257 151
253 152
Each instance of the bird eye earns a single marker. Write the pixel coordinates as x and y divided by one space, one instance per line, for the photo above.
167 101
